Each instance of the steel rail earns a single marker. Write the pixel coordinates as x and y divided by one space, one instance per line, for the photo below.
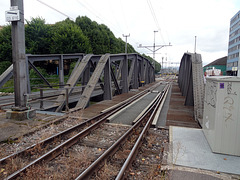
71 129
139 141
71 141
111 150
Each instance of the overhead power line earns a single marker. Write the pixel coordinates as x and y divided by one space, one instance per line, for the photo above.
55 10
124 16
154 17
97 14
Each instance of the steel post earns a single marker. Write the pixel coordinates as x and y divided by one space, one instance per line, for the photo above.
125 75
28 77
107 81
86 76
135 73
142 72
19 58
147 73
67 100
61 72
41 98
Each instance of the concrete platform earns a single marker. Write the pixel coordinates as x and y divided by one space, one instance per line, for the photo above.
189 148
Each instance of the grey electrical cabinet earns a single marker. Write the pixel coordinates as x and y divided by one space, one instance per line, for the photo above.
221 117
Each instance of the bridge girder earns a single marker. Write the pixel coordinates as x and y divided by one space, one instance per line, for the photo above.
118 74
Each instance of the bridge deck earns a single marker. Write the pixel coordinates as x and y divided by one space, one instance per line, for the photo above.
178 114
6 102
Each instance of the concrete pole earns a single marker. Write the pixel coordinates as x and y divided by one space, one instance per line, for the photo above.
19 58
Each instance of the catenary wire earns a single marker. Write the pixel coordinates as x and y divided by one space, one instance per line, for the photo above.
92 11
55 9
155 18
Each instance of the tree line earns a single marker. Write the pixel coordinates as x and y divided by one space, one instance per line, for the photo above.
80 36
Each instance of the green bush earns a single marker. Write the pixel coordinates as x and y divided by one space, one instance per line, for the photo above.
4 65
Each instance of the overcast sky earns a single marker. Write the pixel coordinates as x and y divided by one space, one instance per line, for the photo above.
177 22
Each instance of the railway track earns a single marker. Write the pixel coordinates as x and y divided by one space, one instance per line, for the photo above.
131 139
53 146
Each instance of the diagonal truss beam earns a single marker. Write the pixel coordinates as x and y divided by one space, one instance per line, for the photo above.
72 81
84 98
115 81
6 75
40 75
99 80
131 72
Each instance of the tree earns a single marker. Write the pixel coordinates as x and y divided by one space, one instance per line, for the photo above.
67 37
5 48
38 36
96 36
101 37
157 65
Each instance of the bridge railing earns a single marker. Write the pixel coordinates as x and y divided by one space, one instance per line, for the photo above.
191 83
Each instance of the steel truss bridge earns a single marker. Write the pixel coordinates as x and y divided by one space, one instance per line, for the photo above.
112 73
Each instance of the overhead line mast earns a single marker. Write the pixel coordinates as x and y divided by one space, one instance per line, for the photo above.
126 36
154 47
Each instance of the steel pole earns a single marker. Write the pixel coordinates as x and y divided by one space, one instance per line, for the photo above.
19 58
154 49
154 45
126 36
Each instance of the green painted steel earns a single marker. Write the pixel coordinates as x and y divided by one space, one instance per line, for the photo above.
222 67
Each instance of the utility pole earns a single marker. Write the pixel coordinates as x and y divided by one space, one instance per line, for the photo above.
195 44
154 47
126 36
162 62
16 17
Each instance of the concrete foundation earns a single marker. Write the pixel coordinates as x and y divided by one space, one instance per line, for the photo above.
21 115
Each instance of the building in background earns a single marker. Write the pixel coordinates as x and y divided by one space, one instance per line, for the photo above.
215 68
234 45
